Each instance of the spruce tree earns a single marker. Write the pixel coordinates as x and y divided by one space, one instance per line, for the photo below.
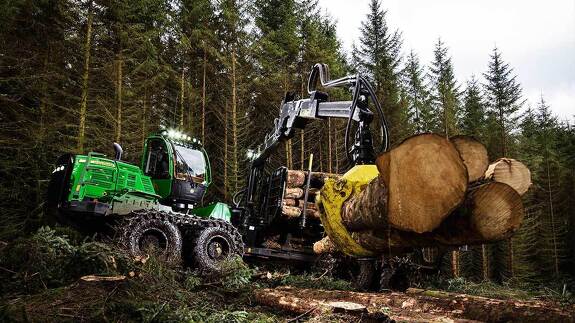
444 91
473 116
378 57
549 176
417 95
503 98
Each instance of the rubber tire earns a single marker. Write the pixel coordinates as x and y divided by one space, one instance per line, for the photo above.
200 251
139 225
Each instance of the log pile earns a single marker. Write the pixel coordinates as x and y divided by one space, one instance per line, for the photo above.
435 191
294 194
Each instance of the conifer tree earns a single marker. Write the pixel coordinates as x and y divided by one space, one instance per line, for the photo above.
417 95
548 176
473 116
503 98
444 91
378 57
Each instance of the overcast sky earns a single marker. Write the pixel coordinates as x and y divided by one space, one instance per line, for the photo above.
537 38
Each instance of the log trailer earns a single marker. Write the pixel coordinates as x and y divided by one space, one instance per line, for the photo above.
257 209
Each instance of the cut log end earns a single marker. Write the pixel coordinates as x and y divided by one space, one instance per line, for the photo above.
511 172
426 179
497 211
324 246
474 155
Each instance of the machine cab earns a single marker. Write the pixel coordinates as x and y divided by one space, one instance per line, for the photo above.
178 167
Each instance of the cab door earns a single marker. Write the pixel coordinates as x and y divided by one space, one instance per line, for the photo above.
157 163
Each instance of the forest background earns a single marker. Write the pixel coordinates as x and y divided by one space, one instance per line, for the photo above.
77 75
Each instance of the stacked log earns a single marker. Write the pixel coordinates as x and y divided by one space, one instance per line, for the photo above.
432 191
294 194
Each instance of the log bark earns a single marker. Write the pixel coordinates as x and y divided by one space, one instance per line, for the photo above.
511 172
417 305
491 212
367 210
295 212
474 155
297 178
299 203
426 180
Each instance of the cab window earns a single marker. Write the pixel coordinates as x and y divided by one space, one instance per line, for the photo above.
190 164
157 160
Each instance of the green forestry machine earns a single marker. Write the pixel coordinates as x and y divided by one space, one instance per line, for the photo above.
156 205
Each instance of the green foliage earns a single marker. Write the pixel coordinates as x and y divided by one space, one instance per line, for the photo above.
236 274
445 91
509 290
503 97
378 57
308 280
154 291
47 260
417 94
473 120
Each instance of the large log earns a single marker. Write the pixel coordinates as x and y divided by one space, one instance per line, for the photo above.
418 305
421 182
511 172
474 155
491 212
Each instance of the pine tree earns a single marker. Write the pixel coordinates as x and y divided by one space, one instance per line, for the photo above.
445 91
378 57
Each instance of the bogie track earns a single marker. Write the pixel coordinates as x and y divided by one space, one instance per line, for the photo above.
175 233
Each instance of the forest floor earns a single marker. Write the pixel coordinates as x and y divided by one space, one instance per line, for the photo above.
49 277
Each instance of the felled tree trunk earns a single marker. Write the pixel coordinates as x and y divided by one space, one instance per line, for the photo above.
491 212
511 172
417 305
474 155
422 181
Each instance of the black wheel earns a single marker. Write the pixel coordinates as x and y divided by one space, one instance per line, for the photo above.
211 247
152 233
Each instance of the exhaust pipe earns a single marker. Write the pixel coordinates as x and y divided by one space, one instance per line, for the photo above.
118 150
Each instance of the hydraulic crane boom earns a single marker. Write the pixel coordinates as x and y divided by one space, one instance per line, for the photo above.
259 204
